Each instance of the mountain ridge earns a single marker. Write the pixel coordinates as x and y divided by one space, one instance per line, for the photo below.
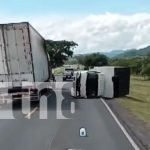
132 53
118 54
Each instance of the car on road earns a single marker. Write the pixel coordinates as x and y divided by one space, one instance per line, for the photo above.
68 74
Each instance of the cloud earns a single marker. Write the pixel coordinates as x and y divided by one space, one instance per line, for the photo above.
96 33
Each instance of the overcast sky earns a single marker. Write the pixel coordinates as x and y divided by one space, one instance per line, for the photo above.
96 25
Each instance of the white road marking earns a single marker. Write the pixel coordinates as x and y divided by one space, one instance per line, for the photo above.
28 116
73 149
72 107
121 126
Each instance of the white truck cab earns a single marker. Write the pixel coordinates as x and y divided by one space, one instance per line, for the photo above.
87 84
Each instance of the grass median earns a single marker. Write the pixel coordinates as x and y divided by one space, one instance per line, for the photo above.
138 101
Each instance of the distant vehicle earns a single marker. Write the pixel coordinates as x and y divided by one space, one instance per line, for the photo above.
24 62
68 74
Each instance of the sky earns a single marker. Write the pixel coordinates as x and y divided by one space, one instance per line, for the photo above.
96 25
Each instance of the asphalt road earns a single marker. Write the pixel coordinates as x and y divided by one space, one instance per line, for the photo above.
28 132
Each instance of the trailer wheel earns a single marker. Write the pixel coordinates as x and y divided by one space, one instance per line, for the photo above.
45 92
17 101
34 97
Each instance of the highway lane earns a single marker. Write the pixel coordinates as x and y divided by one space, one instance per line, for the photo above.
54 134
103 132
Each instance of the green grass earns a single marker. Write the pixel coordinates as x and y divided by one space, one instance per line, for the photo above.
58 71
138 102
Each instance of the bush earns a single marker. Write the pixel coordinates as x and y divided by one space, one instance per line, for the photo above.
146 70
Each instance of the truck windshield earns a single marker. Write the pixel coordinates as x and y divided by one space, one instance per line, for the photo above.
68 69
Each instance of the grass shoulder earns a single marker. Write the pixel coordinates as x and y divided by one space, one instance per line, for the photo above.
138 101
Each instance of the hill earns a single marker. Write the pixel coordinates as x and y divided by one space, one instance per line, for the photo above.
110 54
134 53
113 53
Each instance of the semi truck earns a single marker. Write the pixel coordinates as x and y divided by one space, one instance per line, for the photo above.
24 62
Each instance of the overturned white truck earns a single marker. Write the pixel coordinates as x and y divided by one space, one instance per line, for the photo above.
108 82
24 62
87 84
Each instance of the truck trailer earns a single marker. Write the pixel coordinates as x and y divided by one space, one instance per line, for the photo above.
24 62
116 80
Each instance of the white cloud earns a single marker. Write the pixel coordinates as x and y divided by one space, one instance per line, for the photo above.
96 33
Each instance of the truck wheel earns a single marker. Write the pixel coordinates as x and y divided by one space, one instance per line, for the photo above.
34 97
17 101
45 92
34 103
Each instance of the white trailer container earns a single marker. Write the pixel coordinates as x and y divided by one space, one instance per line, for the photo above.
116 81
23 58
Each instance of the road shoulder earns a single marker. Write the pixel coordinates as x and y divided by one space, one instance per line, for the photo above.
135 127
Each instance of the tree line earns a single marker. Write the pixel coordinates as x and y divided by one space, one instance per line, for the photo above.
61 51
139 66
91 60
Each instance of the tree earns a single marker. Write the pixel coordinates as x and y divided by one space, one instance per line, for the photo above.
134 63
146 67
99 60
119 62
80 59
146 71
71 61
59 51
91 60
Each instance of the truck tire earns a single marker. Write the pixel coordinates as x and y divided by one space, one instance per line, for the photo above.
17 101
34 97
45 92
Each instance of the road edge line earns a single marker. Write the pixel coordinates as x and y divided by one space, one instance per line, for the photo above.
135 146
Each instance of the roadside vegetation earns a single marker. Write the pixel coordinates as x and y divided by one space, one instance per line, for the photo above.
140 66
91 60
59 51
58 71
138 101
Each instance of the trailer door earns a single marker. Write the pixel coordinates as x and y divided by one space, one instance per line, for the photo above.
18 53
3 61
